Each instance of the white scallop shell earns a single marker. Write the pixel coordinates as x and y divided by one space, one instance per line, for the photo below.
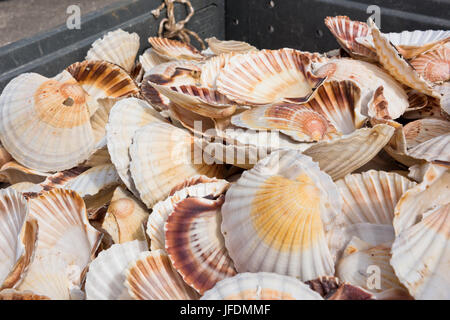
421 255
125 118
162 209
118 47
152 277
41 139
106 276
267 213
370 197
261 286
173 159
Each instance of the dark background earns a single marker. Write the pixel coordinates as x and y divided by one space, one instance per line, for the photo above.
34 37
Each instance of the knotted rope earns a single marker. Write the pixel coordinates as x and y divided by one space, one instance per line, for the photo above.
170 28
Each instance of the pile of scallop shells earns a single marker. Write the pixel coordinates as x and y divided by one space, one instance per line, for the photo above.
231 173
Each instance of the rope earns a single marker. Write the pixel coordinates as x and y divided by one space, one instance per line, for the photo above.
170 28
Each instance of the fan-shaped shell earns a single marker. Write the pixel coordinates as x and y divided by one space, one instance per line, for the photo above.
411 43
358 263
261 286
64 227
212 67
399 68
434 65
369 78
370 197
342 156
102 79
195 245
45 122
276 215
268 76
431 192
174 50
118 47
128 215
226 46
421 255
152 277
419 131
126 117
149 59
296 121
346 32
106 276
162 210
201 100
173 159
17 237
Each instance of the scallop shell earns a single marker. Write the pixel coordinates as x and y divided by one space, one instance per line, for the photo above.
173 159
431 192
194 244
399 68
45 122
370 197
346 32
64 227
419 131
149 59
194 122
195 180
405 147
261 286
48 275
373 234
126 117
204 101
14 172
106 276
174 50
342 156
211 68
369 78
337 102
431 110
226 46
102 79
162 210
18 237
357 266
420 255
267 227
268 76
152 277
12 294
118 47
296 121
411 43
433 65
128 214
